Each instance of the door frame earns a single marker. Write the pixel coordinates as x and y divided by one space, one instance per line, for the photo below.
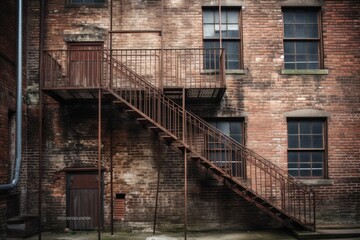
74 171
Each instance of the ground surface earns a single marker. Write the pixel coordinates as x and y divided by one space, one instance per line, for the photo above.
246 235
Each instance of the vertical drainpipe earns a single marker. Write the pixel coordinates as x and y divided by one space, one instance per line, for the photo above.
13 183
41 112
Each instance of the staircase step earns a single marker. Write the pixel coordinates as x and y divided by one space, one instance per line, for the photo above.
167 138
143 121
121 104
155 129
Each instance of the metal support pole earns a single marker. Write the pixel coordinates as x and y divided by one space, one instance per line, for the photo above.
99 164
111 174
41 110
185 162
111 127
157 195
220 24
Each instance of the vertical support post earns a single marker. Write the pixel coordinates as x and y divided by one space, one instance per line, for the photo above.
111 174
185 161
99 163
162 47
220 37
41 82
110 81
157 193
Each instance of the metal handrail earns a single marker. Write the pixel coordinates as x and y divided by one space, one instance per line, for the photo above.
180 68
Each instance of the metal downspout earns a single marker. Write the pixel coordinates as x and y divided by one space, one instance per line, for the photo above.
13 183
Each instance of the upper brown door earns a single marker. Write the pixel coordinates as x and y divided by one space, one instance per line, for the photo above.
85 64
82 201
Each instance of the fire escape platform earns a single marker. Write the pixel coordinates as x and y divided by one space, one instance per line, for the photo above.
77 95
195 95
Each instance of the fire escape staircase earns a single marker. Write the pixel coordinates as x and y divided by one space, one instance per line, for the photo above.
251 176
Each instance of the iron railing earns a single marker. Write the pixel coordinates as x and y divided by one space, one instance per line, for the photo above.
247 168
188 68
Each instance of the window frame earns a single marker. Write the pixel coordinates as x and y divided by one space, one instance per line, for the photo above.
238 40
214 148
323 150
319 39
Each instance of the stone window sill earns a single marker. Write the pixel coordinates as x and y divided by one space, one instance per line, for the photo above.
317 182
305 72
227 72
94 5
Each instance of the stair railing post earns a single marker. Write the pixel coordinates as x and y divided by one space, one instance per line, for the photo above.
185 161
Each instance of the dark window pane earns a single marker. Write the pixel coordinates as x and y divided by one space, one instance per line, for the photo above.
293 141
292 128
317 157
300 31
317 173
305 173
301 47
235 128
312 17
305 156
293 157
294 173
317 165
289 58
305 166
312 31
289 31
293 165
317 141
313 66
305 127
289 65
313 48
236 137
301 66
289 47
300 16
301 58
305 141
289 17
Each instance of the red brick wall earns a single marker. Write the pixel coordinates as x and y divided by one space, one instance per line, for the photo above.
263 94
8 26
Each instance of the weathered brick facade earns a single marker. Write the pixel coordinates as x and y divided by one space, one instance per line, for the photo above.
261 94
8 39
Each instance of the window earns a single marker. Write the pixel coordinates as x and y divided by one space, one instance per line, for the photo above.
225 157
86 2
306 148
230 37
302 39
